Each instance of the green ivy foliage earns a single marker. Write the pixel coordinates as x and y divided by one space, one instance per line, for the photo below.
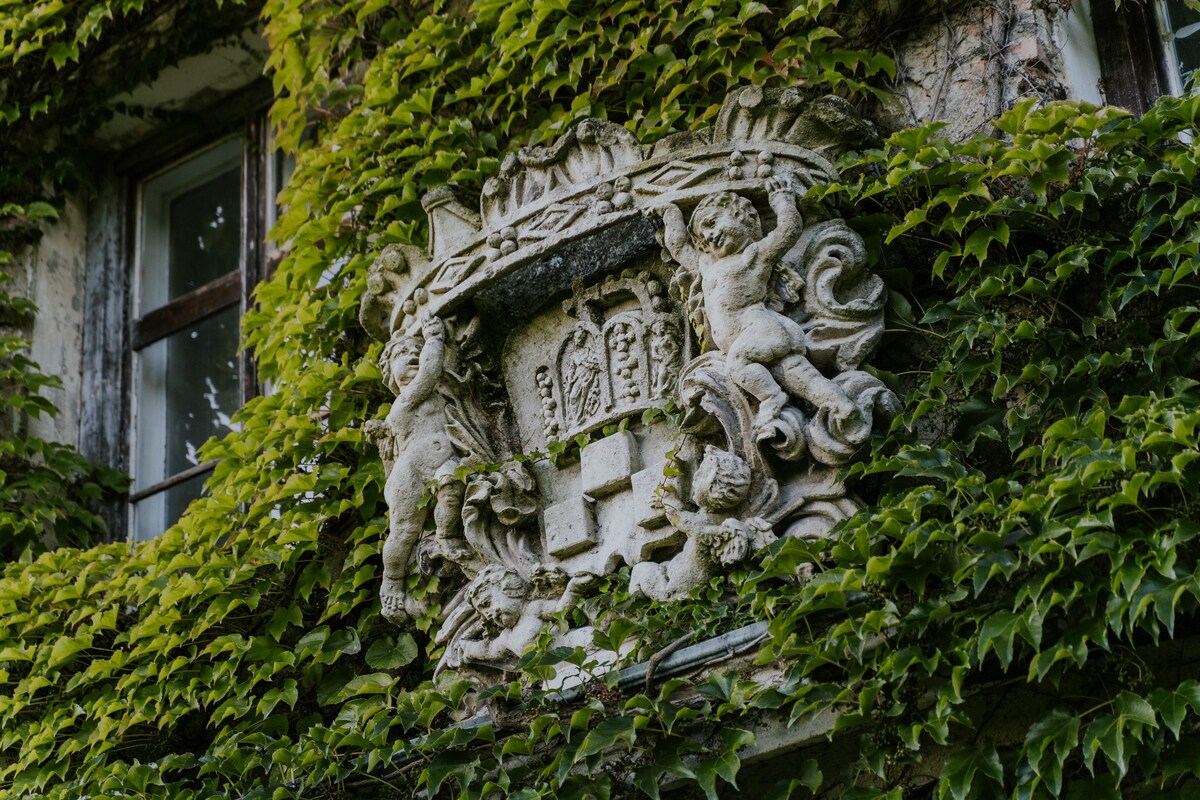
1037 527
1029 523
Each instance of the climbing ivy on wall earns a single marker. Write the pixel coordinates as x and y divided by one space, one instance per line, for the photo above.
1029 531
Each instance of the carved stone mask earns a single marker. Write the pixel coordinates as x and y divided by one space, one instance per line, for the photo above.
512 496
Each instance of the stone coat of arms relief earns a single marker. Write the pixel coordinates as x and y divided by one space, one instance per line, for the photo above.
602 282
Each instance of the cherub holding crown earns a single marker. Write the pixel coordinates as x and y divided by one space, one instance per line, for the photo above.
766 352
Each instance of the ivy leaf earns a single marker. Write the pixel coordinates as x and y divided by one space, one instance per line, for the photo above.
457 765
67 647
607 734
40 210
1135 710
370 683
1111 734
1173 704
388 653
1058 731
725 763
982 238
61 52
287 695
344 640
282 618
749 10
961 769
997 634
810 779
666 759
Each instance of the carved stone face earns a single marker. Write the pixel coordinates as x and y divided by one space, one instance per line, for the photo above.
496 607
722 481
725 224
401 359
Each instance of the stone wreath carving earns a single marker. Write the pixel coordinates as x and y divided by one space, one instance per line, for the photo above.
602 282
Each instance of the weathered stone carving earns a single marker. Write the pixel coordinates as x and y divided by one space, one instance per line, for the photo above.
592 148
501 613
603 282
622 356
713 540
384 295
420 450
732 264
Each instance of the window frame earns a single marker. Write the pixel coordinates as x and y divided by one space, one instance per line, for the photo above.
113 331
1167 34
1131 53
1136 48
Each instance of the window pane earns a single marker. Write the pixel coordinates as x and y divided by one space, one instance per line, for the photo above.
1185 32
191 225
187 392
204 233
155 514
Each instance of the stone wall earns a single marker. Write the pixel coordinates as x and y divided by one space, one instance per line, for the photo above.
972 61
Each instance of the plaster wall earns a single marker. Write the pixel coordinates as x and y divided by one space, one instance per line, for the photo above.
1081 63
53 278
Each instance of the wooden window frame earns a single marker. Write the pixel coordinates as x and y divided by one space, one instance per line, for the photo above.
112 333
1130 48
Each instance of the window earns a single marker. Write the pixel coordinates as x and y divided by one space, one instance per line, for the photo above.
1180 30
1145 50
197 254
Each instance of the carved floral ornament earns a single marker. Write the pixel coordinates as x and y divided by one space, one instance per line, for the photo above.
602 279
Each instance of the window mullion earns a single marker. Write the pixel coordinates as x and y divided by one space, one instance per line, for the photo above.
187 309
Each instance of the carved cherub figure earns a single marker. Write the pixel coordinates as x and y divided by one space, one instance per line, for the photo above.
511 613
422 451
765 351
715 538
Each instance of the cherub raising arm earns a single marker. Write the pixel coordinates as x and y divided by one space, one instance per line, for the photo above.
430 361
789 224
423 451
723 244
